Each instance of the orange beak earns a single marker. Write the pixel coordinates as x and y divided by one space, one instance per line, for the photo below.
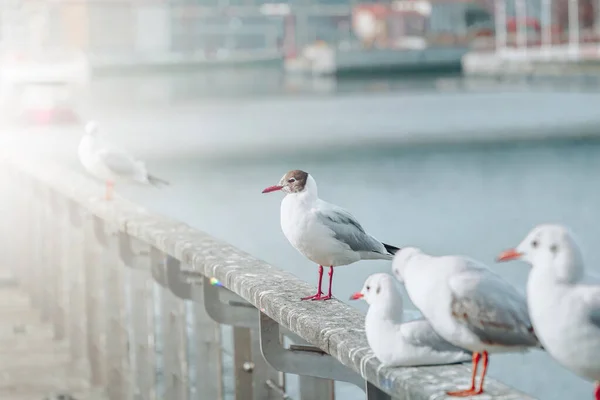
356 296
272 189
509 255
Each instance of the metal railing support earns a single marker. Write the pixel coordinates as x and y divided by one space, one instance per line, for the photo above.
53 254
226 307
173 327
175 282
117 343
143 343
140 303
312 388
301 360
95 244
207 353
73 261
31 276
174 347
254 378
45 287
374 393
242 364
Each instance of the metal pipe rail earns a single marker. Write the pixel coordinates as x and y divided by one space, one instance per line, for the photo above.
96 269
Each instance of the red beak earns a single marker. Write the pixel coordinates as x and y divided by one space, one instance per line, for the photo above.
508 255
272 189
356 296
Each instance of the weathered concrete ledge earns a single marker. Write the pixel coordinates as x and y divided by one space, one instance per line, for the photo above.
332 326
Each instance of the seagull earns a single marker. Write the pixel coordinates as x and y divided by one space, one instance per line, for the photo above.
324 233
398 344
109 163
563 302
468 305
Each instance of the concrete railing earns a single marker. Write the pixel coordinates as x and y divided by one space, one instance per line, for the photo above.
98 269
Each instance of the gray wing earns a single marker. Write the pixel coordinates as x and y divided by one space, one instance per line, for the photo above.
420 333
348 230
491 308
119 163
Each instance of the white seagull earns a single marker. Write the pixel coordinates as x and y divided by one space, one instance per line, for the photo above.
468 305
397 343
324 233
111 164
563 302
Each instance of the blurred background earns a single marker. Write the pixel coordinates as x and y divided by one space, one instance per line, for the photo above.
452 125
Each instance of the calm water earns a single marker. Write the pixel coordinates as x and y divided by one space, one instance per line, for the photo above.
464 199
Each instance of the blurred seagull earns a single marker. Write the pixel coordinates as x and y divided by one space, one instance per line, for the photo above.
111 164
324 233
563 299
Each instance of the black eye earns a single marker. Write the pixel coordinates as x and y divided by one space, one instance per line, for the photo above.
291 180
534 244
368 288
554 248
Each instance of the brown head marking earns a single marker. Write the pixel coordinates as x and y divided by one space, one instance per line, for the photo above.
294 181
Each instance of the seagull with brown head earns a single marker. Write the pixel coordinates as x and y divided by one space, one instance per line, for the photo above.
324 233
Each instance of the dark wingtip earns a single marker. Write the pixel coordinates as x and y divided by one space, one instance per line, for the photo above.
391 249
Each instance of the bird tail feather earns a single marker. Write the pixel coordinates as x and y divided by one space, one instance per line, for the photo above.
390 249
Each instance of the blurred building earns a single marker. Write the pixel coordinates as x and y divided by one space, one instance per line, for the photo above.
151 31
119 28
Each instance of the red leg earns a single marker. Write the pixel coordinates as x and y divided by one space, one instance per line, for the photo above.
597 391
470 391
485 366
109 189
330 281
319 292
